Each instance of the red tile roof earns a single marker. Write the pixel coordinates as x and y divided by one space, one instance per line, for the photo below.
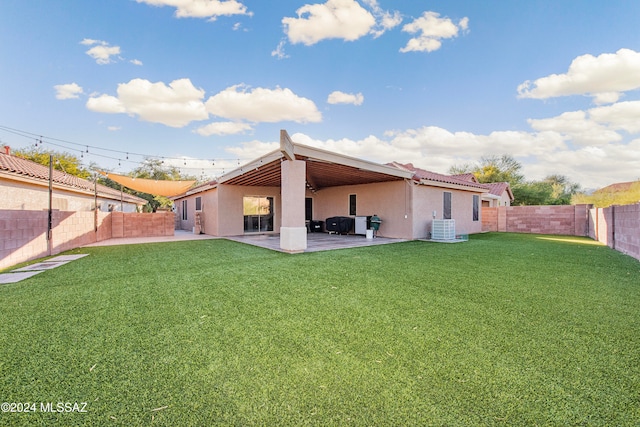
466 177
437 177
617 187
26 168
498 188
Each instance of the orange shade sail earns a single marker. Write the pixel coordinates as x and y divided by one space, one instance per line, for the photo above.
151 186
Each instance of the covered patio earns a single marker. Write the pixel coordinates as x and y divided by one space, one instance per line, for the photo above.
315 241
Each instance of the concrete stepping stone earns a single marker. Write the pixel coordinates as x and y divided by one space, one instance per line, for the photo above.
6 278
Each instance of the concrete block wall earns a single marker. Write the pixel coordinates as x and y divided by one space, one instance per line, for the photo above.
490 219
142 224
23 233
564 220
627 229
23 236
617 226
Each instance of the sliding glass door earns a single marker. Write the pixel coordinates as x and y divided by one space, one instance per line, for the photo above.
258 214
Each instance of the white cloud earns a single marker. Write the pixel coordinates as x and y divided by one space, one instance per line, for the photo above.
433 148
202 8
338 97
175 105
68 91
253 149
594 127
262 105
105 104
279 52
623 116
136 62
89 42
101 51
335 19
385 20
577 127
223 128
432 30
114 128
604 77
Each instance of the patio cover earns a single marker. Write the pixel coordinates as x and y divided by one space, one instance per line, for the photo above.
151 186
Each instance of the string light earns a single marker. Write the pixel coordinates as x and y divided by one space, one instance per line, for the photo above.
95 150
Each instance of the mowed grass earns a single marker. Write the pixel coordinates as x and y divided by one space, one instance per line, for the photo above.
502 330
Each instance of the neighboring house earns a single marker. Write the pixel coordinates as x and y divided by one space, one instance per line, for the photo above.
499 192
499 195
24 185
283 190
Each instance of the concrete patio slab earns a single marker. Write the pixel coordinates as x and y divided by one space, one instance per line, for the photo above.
315 241
179 235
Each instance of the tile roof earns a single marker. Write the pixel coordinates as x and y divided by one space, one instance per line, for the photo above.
498 188
26 168
466 177
437 177
617 187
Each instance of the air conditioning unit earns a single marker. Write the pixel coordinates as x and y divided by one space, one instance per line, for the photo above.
443 229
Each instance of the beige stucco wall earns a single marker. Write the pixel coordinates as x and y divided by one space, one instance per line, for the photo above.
209 212
404 207
389 200
24 196
231 218
428 199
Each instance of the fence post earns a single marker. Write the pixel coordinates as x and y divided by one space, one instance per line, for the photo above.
613 226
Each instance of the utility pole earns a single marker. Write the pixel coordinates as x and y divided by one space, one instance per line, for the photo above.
50 221
95 202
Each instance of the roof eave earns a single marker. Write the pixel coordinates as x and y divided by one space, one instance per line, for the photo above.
453 186
327 156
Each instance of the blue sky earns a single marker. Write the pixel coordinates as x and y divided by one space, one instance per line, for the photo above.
437 83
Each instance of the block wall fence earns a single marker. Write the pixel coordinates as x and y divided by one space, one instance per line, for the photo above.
616 226
23 233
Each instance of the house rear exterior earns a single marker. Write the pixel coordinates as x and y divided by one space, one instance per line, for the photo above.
286 190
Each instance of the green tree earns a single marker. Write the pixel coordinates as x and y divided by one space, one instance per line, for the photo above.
62 161
553 190
531 193
503 168
562 190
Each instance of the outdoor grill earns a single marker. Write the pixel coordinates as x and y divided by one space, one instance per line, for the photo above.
339 224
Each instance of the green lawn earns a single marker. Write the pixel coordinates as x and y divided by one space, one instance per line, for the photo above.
504 329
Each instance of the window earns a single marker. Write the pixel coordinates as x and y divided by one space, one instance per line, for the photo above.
308 208
476 208
184 210
198 203
352 204
446 208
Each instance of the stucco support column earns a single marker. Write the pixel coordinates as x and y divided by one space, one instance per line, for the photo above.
293 232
